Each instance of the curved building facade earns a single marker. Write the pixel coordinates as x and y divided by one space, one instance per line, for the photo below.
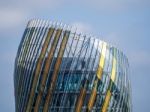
59 70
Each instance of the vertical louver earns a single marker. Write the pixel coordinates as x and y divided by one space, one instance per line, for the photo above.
60 70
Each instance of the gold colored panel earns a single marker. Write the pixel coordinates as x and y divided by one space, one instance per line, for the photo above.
102 61
113 76
106 103
56 70
80 100
38 68
46 69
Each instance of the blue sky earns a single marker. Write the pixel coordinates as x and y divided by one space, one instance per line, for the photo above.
123 23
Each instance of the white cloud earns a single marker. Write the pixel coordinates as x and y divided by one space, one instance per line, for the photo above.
82 27
17 12
117 5
11 18
32 5
112 38
45 3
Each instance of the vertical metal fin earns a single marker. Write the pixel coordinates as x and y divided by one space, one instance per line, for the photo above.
56 70
38 68
106 102
99 75
102 61
93 96
46 69
113 76
81 96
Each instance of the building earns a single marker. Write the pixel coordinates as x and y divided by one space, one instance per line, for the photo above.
60 70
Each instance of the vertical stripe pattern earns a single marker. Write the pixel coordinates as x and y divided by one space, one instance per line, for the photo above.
59 69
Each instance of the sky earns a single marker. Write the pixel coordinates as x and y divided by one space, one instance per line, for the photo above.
123 23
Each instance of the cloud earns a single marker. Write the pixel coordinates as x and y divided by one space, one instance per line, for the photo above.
82 27
117 5
32 5
11 18
112 38
14 12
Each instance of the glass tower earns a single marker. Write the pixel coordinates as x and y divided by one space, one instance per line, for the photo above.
60 70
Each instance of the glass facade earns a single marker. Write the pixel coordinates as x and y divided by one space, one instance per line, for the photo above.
59 70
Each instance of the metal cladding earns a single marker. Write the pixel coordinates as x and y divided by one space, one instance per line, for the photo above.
60 70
